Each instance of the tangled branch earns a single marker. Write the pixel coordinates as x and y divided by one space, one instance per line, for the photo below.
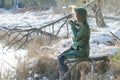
23 34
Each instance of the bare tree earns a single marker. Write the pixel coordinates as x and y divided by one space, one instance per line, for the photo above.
98 14
2 3
16 3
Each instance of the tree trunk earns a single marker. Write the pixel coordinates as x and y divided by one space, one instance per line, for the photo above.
16 4
35 2
2 3
98 14
12 2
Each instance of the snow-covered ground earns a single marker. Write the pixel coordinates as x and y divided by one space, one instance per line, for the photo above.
7 18
9 59
99 41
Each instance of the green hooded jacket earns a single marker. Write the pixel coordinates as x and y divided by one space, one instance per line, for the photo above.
80 36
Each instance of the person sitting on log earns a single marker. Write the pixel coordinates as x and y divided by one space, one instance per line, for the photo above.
80 34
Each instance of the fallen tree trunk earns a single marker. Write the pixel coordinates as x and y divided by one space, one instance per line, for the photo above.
29 30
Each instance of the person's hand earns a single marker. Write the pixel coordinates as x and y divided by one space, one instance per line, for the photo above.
72 23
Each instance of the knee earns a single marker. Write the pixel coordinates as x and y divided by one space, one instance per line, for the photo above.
61 58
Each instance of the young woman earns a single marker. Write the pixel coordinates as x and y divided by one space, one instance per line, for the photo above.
80 35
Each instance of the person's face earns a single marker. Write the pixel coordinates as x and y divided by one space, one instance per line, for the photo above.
79 19
74 16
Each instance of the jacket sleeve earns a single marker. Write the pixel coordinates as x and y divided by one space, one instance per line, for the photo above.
80 33
74 32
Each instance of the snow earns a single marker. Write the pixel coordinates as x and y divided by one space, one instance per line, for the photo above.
32 62
23 19
116 32
100 39
101 50
9 58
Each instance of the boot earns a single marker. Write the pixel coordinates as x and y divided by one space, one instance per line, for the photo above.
66 77
61 75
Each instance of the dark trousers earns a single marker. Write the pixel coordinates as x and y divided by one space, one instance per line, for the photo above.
62 66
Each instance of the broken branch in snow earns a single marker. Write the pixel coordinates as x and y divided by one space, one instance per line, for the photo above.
61 26
22 34
115 35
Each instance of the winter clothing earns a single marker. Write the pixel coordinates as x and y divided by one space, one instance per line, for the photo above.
81 13
80 36
80 46
62 66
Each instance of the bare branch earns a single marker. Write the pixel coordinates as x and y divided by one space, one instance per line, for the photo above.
115 36
23 43
10 42
62 26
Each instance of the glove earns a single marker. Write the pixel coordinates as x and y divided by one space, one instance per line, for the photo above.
72 23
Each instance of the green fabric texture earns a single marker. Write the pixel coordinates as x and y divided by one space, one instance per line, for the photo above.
82 13
80 46
80 36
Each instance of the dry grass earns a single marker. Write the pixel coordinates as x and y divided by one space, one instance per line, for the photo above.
22 71
57 11
6 39
116 66
36 47
117 43
80 71
27 8
37 8
1 34
48 66
83 71
45 65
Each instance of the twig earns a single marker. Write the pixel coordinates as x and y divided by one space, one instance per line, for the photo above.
115 35
62 26
23 43
13 39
